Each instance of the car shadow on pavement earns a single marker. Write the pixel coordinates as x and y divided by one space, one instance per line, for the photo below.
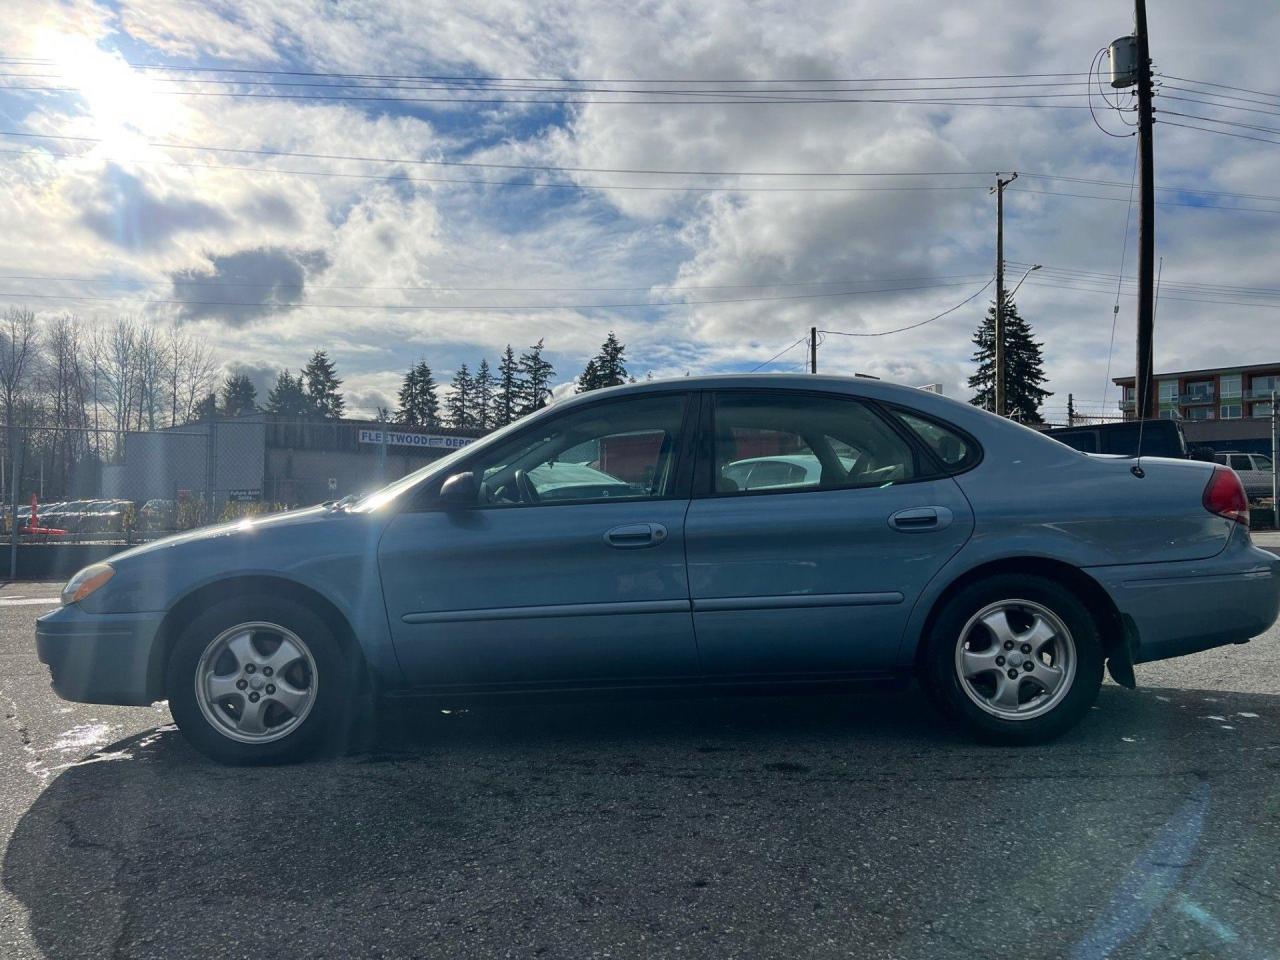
763 826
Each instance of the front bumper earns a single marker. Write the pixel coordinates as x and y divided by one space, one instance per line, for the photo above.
1187 606
101 657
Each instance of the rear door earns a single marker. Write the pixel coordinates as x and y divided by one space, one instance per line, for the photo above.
819 576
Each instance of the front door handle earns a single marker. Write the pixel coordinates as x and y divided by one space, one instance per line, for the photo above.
632 535
920 519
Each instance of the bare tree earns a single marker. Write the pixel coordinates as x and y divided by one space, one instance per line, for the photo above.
67 393
64 380
19 357
149 373
115 346
194 374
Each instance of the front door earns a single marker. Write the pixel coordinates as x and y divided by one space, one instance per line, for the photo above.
822 520
570 566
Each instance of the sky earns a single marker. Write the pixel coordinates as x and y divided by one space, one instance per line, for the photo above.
467 242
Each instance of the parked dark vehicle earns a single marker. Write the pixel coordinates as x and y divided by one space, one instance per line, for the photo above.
159 515
105 516
70 516
1160 438
49 514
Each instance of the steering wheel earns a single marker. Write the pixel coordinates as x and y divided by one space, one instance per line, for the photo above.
524 486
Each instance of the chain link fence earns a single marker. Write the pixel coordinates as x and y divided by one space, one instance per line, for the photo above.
85 485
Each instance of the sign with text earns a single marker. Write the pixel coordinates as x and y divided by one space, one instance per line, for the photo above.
396 438
244 496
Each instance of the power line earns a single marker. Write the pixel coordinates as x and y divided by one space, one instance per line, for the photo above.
1220 96
1225 123
1094 289
1221 133
1093 276
477 307
1222 86
543 168
460 78
1089 87
532 184
991 100
444 288
1121 183
885 333
530 88
1124 249
778 354
1159 203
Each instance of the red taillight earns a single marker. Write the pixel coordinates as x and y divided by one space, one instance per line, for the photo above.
1225 496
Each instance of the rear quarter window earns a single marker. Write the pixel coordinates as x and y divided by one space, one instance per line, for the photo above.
954 450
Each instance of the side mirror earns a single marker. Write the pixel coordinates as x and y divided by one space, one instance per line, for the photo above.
459 490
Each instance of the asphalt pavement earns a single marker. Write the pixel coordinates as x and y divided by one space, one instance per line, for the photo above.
833 826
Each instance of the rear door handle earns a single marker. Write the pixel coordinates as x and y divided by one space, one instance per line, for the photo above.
632 535
920 519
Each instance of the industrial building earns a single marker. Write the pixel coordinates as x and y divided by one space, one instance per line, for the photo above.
260 457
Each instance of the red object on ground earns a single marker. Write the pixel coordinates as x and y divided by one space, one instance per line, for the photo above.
42 531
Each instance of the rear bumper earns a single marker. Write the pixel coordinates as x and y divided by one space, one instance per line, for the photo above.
100 657
1188 606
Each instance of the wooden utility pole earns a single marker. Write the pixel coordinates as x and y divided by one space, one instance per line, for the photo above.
1144 389
813 349
999 324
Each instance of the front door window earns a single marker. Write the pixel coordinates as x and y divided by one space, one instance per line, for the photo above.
625 450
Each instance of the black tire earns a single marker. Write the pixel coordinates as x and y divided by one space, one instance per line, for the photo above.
337 702
941 679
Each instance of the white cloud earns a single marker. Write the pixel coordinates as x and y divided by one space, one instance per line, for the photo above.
441 237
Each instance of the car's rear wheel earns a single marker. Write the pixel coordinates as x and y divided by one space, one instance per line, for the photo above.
259 679
1017 659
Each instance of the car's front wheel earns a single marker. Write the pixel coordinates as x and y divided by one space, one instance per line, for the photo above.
1018 659
259 679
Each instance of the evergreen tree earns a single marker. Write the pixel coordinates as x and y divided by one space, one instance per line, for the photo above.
536 373
506 403
287 398
206 409
459 404
589 378
607 368
419 406
239 395
482 385
1023 364
320 382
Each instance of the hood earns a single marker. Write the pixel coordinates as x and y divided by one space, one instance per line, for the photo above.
238 528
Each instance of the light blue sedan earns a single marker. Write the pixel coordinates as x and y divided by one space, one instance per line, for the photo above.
1000 567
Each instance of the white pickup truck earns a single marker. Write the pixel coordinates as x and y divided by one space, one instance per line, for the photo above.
1254 470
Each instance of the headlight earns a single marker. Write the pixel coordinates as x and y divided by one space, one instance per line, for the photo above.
89 580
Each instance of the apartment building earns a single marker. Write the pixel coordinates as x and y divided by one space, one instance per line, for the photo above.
1226 393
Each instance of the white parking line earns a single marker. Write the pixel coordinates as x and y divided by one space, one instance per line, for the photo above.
29 601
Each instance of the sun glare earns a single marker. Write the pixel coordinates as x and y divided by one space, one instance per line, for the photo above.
123 108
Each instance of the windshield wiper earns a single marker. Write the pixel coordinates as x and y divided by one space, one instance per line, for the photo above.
350 500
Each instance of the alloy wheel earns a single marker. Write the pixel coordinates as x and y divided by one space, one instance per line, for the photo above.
256 682
1015 659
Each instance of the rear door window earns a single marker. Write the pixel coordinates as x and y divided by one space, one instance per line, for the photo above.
784 442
